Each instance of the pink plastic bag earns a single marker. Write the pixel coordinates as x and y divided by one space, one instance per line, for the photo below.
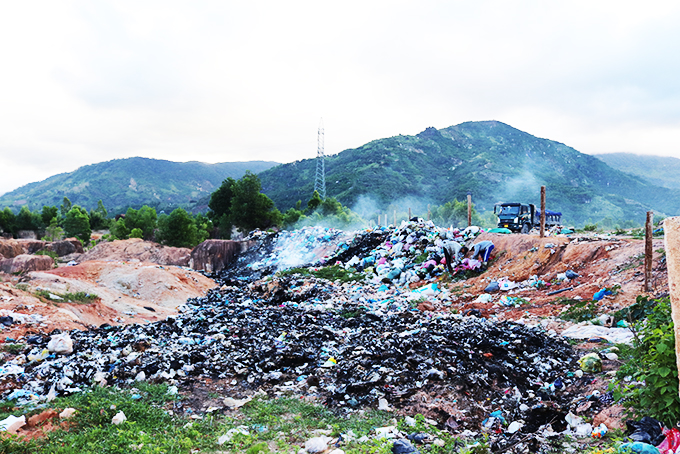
671 443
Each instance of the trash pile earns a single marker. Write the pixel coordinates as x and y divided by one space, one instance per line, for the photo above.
376 338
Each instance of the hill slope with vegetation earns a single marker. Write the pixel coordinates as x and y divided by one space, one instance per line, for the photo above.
131 182
656 170
493 161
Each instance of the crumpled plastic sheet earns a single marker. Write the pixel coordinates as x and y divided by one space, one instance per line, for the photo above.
613 335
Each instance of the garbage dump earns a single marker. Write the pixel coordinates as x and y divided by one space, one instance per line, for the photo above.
371 342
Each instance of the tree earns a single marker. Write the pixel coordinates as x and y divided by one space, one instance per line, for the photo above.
144 219
77 224
8 222
53 231
250 209
455 214
26 220
65 207
48 213
220 207
314 202
178 229
99 217
119 230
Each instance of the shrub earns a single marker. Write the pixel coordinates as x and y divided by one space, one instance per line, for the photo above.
653 363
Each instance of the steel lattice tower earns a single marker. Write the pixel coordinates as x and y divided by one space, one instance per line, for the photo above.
320 182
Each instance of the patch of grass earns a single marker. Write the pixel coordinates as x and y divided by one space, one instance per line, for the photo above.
13 349
580 311
52 254
352 313
272 425
78 297
332 273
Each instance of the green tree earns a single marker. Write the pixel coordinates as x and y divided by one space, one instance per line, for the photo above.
53 231
250 209
178 229
26 220
99 218
65 207
314 202
119 230
144 219
77 223
8 222
136 233
48 213
220 207
203 227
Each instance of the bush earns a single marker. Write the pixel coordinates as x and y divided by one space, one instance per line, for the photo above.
653 363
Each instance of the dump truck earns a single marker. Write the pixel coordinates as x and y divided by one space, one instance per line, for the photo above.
522 217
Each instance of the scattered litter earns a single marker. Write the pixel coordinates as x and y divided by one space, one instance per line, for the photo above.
12 423
119 418
612 335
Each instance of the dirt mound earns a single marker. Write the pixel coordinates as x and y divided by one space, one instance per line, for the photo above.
136 249
126 293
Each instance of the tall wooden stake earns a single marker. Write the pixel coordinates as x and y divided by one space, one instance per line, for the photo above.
395 218
648 251
429 213
409 213
469 209
542 211
671 227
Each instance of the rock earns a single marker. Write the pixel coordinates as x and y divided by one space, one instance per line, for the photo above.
10 248
24 263
31 246
426 306
40 418
214 255
61 248
138 249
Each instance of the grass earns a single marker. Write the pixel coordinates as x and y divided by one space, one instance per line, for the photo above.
579 311
13 349
332 273
78 297
273 425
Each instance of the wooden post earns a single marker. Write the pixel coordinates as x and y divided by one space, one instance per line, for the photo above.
429 213
469 197
648 251
378 220
671 227
395 218
542 211
409 213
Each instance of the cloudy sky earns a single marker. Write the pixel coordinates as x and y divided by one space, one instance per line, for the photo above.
89 81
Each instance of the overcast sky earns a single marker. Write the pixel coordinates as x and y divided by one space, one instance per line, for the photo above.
89 81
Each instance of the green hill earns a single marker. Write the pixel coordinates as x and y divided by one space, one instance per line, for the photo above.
656 170
131 182
492 160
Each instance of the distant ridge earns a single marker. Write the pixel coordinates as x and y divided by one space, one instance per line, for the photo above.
131 182
657 170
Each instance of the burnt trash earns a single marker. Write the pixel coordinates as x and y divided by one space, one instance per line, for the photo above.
6 320
647 430
404 447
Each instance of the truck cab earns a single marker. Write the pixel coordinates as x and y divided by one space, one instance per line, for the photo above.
522 217
518 217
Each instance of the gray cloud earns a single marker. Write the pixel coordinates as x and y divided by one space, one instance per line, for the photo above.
215 81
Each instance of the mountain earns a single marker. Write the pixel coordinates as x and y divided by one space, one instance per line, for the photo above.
656 170
492 160
131 182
